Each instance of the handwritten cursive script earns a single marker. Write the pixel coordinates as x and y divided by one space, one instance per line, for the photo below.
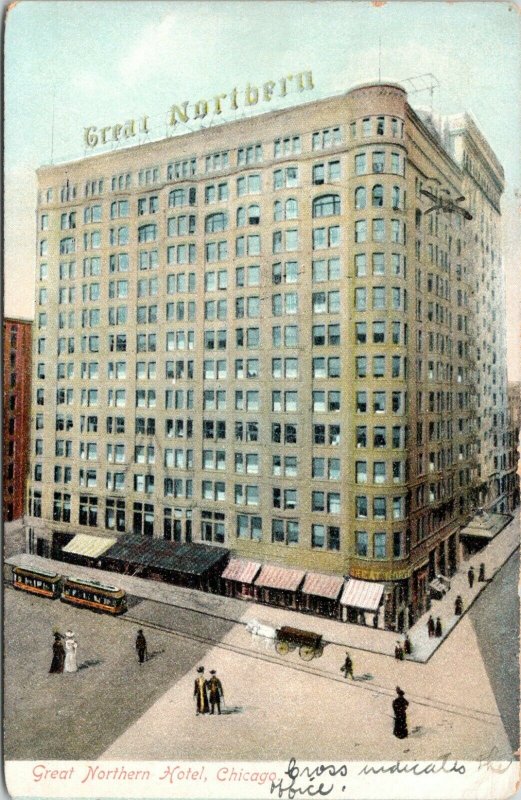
415 768
292 788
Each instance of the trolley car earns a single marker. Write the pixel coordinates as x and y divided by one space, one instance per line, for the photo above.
94 595
310 644
37 581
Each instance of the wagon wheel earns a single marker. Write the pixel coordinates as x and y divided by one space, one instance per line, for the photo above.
292 645
307 652
319 651
282 648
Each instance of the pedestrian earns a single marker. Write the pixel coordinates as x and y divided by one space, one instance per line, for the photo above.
141 646
398 652
200 693
347 667
215 692
481 577
430 626
71 646
400 714
407 646
58 654
438 628
375 620
458 606
470 575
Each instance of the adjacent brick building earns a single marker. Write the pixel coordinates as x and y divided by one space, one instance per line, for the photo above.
17 401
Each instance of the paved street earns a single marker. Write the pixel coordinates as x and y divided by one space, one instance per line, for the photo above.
495 617
79 715
113 708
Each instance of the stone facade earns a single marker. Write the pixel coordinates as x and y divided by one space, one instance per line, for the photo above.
258 336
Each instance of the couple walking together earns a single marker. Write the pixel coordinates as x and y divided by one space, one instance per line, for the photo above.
205 690
64 655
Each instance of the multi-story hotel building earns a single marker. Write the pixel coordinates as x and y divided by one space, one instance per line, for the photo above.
258 336
17 403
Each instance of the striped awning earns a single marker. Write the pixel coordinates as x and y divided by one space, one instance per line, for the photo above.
362 594
90 546
328 586
274 577
241 570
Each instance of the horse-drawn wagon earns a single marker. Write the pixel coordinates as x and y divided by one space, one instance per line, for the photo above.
309 644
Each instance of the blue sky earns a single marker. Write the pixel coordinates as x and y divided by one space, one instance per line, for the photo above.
107 61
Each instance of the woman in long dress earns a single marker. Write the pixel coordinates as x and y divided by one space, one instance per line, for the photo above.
400 714
58 654
70 652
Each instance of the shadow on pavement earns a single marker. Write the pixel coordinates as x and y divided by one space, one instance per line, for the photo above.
93 662
154 653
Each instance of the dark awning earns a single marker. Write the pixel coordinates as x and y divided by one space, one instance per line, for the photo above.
485 525
183 557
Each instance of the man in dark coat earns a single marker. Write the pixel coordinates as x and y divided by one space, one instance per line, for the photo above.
398 651
200 693
347 666
58 654
215 692
430 626
481 577
407 646
438 627
470 575
141 646
458 606
400 714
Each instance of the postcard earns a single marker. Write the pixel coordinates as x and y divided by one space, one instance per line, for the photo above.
261 400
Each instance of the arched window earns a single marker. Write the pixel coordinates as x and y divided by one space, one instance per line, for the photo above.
326 206
254 214
241 216
396 197
278 211
216 222
360 197
177 197
291 208
147 233
378 195
180 197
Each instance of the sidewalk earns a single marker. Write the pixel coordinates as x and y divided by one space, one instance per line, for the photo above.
493 556
346 635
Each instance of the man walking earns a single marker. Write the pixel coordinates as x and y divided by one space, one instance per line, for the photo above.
438 628
141 647
400 714
215 692
398 651
430 626
347 667
481 577
470 575
458 606
201 697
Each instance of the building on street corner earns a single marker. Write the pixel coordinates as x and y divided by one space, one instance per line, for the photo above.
282 337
